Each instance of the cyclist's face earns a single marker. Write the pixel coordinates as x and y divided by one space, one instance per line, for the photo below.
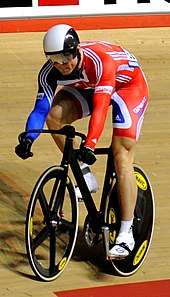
66 67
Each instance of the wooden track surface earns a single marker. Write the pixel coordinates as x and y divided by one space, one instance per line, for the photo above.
21 57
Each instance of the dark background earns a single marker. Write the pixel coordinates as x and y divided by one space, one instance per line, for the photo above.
15 3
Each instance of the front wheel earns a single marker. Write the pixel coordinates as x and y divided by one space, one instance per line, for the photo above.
51 224
143 225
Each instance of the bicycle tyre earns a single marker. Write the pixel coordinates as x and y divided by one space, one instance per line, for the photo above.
49 245
143 226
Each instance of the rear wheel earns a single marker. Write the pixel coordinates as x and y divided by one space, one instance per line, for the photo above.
143 224
51 224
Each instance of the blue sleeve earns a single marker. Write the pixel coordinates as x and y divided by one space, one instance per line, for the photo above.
47 83
37 117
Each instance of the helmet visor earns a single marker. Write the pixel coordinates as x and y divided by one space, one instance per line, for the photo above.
60 58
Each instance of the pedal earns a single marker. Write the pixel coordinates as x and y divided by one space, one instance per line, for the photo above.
110 257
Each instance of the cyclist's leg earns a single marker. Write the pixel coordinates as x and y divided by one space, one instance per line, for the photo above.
124 152
129 105
69 105
65 110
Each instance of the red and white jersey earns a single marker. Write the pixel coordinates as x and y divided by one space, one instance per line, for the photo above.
106 68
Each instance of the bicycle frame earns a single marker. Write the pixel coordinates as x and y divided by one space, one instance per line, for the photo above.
105 221
70 156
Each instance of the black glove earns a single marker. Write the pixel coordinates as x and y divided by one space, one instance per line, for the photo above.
87 155
23 149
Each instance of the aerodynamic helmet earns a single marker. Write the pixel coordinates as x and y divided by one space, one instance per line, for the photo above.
60 43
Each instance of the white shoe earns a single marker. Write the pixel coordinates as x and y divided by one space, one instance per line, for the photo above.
90 180
123 246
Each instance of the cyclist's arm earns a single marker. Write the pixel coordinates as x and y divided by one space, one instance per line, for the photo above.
47 86
101 101
37 117
101 104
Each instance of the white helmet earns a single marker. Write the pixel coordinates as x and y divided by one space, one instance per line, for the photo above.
60 39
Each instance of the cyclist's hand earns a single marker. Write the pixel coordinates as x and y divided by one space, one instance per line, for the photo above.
23 149
87 155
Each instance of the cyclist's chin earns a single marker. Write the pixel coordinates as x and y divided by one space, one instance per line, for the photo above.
66 69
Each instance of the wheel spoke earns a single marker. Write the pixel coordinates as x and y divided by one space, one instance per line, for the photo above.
41 236
52 249
43 203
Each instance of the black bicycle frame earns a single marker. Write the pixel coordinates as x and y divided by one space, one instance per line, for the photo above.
97 217
70 157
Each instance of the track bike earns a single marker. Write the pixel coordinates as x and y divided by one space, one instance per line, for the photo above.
53 213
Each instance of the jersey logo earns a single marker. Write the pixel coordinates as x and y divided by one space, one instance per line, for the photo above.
117 114
94 140
77 85
40 96
141 107
104 89
121 115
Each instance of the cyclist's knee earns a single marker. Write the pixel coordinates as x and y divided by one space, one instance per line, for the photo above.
124 151
54 118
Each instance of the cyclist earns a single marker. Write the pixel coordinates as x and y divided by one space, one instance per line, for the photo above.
93 75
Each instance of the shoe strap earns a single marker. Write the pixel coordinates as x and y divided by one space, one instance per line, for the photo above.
124 246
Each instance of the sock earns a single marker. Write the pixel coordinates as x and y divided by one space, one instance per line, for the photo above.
125 226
